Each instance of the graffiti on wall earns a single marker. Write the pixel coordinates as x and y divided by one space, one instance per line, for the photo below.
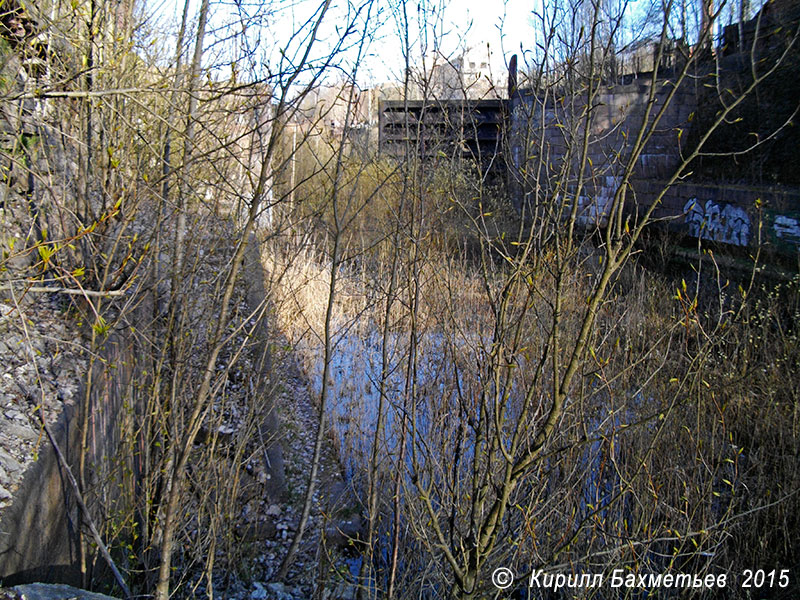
593 210
787 229
726 223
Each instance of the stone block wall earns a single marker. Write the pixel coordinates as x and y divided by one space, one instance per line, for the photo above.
722 212
732 214
618 113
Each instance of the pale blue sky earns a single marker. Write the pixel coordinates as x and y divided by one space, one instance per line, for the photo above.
472 23
462 23
459 24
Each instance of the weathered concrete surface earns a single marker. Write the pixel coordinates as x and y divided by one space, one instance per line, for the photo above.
40 372
40 368
38 524
739 215
37 532
44 591
255 294
38 535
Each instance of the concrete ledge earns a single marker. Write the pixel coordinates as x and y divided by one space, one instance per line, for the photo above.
38 538
43 591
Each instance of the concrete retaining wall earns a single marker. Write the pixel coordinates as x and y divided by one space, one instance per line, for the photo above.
38 535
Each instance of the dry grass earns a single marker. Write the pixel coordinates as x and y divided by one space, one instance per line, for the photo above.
658 427
681 455
299 288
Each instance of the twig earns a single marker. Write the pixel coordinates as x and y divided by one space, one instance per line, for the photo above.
74 292
85 510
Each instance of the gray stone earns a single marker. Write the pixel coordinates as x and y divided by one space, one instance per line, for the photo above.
256 532
259 592
9 463
280 591
343 532
46 591
14 341
23 432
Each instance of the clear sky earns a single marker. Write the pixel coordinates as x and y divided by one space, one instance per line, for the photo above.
464 24
505 25
461 24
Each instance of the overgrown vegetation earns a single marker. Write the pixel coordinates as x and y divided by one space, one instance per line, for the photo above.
505 381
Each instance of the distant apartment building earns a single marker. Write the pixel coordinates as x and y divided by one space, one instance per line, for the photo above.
463 76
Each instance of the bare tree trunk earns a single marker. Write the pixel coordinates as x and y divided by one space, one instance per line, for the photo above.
338 225
174 470
188 148
199 410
